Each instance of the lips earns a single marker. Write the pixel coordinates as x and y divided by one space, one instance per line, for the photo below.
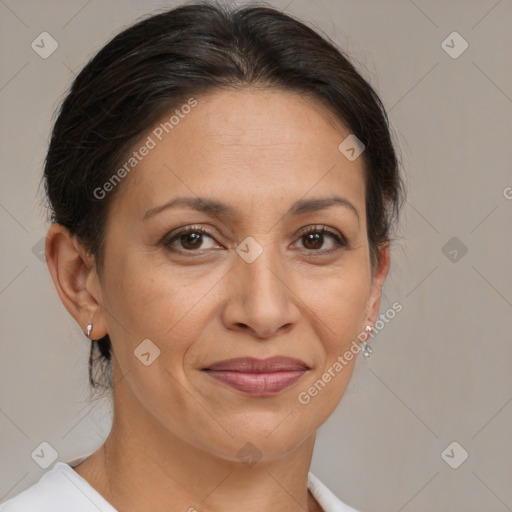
258 377
253 365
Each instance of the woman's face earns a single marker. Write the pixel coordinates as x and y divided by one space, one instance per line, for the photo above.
254 285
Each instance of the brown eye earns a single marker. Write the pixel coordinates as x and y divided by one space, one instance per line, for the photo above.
190 239
315 239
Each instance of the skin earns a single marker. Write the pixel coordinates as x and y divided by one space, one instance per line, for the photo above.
177 431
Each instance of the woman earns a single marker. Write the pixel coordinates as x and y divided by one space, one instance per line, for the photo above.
222 185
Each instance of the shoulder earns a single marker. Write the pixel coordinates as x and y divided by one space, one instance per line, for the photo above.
59 490
325 497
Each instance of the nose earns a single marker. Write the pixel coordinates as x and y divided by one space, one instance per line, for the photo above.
261 301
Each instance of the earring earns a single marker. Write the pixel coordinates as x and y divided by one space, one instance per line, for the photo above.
89 329
367 350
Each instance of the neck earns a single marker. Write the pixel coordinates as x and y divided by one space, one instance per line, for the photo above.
144 466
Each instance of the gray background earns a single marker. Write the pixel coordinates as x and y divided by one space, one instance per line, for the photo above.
441 369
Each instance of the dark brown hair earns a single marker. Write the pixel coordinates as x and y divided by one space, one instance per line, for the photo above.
160 62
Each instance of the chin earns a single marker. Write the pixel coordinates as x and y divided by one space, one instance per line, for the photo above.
254 438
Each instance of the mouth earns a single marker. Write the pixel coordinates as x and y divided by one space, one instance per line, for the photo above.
258 377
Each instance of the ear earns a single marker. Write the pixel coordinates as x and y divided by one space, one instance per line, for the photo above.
74 275
379 276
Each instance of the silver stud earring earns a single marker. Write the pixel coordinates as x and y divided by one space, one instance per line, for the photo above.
89 329
367 350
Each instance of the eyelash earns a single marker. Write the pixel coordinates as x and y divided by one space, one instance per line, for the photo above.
339 240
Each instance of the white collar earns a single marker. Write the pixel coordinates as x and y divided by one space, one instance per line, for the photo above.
62 488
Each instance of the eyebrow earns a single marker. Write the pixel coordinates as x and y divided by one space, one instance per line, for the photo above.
203 204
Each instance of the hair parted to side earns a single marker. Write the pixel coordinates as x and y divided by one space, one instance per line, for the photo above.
156 65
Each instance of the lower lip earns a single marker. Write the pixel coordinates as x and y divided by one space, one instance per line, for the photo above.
258 384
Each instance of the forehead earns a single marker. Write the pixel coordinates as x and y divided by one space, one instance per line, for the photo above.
254 145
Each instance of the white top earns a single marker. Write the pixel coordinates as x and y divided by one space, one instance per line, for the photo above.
62 489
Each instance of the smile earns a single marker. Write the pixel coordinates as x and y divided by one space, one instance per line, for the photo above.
257 377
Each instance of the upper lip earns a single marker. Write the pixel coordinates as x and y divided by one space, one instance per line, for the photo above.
253 365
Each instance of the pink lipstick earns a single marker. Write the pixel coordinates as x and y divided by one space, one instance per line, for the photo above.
258 377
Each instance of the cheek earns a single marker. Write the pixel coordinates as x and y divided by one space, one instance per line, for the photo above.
338 302
158 302
168 308
337 312
171 305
